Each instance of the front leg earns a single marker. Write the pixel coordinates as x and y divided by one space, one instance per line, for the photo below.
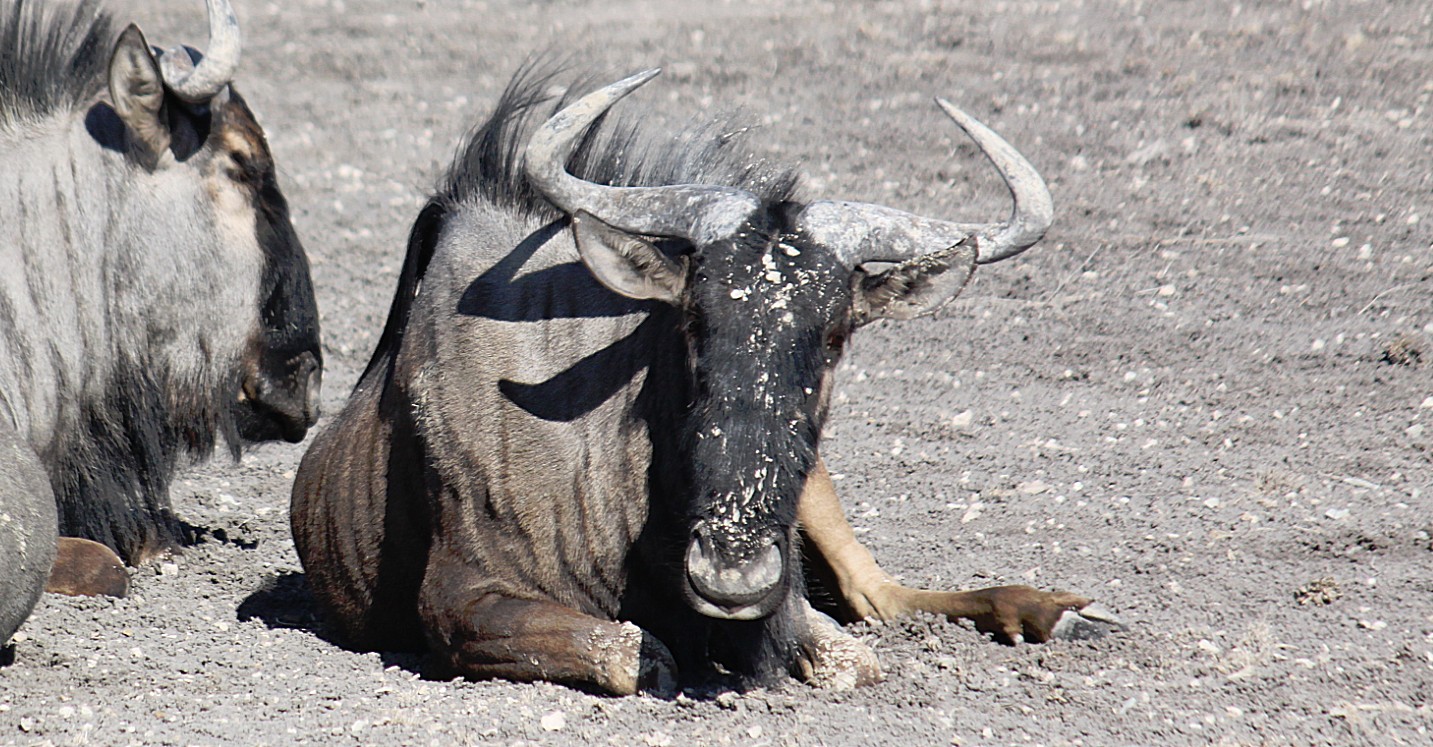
1011 613
488 634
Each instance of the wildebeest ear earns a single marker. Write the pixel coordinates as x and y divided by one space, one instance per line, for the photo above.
627 264
916 286
137 89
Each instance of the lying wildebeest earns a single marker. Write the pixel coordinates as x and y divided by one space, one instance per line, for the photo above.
577 452
153 294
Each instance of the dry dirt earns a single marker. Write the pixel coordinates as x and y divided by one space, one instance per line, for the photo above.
1206 399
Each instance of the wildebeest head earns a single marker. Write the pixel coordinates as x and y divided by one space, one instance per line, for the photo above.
768 293
182 120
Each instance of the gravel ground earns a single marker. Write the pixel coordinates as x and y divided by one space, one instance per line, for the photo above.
1206 399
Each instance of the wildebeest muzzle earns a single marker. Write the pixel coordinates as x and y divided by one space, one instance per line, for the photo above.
728 584
281 401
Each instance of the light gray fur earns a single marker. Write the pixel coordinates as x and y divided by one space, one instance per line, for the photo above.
106 267
104 264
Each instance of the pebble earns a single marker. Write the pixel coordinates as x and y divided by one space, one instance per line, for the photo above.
554 721
1033 487
1337 513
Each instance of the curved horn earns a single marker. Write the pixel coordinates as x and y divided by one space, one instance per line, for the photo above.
199 83
861 232
699 213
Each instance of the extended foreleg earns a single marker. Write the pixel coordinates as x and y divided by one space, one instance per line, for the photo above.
1011 613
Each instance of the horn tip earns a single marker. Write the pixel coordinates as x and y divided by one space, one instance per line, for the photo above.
954 112
642 77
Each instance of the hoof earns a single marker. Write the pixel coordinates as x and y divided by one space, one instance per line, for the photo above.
657 670
633 661
1087 624
833 659
87 569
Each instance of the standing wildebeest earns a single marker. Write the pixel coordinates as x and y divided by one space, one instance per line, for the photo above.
577 452
153 294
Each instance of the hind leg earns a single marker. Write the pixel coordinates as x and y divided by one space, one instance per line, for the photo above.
1011 613
483 634
28 529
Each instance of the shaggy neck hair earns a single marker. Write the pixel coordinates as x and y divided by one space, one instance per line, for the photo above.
52 57
111 473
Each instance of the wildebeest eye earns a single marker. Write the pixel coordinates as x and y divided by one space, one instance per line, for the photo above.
246 169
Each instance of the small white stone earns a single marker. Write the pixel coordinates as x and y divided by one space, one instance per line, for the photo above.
1415 430
1337 513
1340 242
554 721
1033 487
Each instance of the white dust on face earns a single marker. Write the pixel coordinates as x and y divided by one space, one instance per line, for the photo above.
767 294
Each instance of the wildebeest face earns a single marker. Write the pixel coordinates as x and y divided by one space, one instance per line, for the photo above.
282 362
766 317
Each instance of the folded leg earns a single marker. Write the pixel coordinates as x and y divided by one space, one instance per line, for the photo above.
485 634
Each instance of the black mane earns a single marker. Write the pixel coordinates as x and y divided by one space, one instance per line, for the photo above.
489 166
51 58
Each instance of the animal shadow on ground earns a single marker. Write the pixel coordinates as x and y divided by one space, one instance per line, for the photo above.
236 534
285 601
